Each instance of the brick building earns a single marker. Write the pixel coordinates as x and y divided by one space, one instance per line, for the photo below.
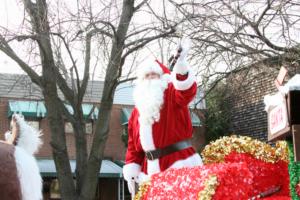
247 114
19 94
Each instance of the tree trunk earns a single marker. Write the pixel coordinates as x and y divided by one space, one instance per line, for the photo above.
81 150
102 127
87 168
38 14
58 139
39 20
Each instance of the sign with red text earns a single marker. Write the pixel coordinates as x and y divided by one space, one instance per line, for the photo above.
278 123
278 119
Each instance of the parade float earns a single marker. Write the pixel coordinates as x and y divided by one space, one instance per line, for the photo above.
239 167
236 167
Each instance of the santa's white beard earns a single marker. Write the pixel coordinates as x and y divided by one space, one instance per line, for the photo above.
149 97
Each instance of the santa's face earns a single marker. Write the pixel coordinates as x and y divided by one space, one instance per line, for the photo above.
152 75
149 96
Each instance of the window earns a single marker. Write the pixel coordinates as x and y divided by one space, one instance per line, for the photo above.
34 124
124 134
88 127
54 190
69 127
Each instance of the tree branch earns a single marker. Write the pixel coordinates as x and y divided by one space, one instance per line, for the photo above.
145 41
262 37
84 83
264 13
66 46
142 30
23 37
71 57
126 80
102 31
140 5
86 74
4 47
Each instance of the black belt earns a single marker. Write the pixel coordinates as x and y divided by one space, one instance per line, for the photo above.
157 153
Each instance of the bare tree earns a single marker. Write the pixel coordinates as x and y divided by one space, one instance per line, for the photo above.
50 34
230 36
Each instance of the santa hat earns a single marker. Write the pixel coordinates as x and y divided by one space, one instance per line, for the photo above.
163 67
153 66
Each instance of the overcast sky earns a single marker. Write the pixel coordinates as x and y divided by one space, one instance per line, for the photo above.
12 15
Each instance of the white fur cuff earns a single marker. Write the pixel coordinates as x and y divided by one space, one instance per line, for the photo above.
131 170
185 84
153 167
191 161
181 66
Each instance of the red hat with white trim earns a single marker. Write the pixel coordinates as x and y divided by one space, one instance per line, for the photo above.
154 66
163 67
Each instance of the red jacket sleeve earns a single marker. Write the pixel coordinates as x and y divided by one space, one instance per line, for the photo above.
133 155
185 89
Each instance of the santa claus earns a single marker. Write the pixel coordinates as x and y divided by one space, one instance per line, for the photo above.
160 128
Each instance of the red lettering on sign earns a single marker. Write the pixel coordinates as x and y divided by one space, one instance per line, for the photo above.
278 119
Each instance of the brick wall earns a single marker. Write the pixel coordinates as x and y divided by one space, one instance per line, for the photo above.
247 89
4 123
114 149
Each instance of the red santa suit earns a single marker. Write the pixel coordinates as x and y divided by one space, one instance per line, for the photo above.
174 125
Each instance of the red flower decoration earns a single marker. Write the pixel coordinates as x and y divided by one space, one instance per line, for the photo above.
265 175
242 176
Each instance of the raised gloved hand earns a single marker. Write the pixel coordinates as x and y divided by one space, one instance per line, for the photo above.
181 66
185 45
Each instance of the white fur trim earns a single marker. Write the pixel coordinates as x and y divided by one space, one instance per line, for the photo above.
29 175
167 78
143 178
273 100
292 84
147 142
181 66
151 66
29 138
131 170
153 167
146 136
8 136
192 161
185 84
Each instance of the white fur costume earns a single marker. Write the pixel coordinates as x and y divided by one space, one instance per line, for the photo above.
27 144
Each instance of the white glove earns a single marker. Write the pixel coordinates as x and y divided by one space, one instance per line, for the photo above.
132 184
131 172
182 66
185 44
